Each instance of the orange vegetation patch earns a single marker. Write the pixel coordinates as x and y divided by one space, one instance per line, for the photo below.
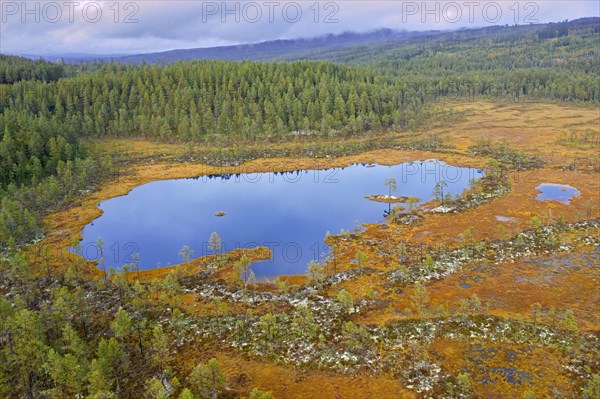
506 371
559 282
565 281
367 286
227 273
244 374
216 308
538 128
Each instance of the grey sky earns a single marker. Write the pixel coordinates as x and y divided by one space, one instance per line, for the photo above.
109 27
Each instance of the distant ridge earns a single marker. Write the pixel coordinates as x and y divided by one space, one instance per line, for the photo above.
271 50
263 51
327 47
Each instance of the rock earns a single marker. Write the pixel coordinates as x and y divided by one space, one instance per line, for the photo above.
442 209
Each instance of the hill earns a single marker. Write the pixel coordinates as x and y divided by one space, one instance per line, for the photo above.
350 47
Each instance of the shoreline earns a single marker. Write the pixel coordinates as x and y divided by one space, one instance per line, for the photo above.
63 228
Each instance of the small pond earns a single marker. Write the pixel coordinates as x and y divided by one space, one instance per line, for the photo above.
557 192
290 213
501 218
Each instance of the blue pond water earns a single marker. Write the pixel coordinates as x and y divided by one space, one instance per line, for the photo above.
289 213
557 192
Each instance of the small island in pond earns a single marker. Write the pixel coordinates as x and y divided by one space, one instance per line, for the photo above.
391 198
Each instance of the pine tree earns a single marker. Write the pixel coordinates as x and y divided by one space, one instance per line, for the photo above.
206 381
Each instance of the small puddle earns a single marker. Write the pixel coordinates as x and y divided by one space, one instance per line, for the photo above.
505 218
557 192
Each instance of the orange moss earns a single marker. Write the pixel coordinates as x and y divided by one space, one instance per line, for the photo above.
227 272
485 363
244 374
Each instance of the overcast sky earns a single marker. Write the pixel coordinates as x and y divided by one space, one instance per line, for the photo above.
111 27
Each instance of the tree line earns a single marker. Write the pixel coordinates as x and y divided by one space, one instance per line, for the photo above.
16 69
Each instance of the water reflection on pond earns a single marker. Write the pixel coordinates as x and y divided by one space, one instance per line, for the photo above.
557 192
288 212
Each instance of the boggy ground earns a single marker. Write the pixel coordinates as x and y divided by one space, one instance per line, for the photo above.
508 290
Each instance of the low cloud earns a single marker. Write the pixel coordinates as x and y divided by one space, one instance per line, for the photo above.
109 27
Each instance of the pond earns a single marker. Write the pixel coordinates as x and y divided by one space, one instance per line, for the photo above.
290 213
557 192
501 218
